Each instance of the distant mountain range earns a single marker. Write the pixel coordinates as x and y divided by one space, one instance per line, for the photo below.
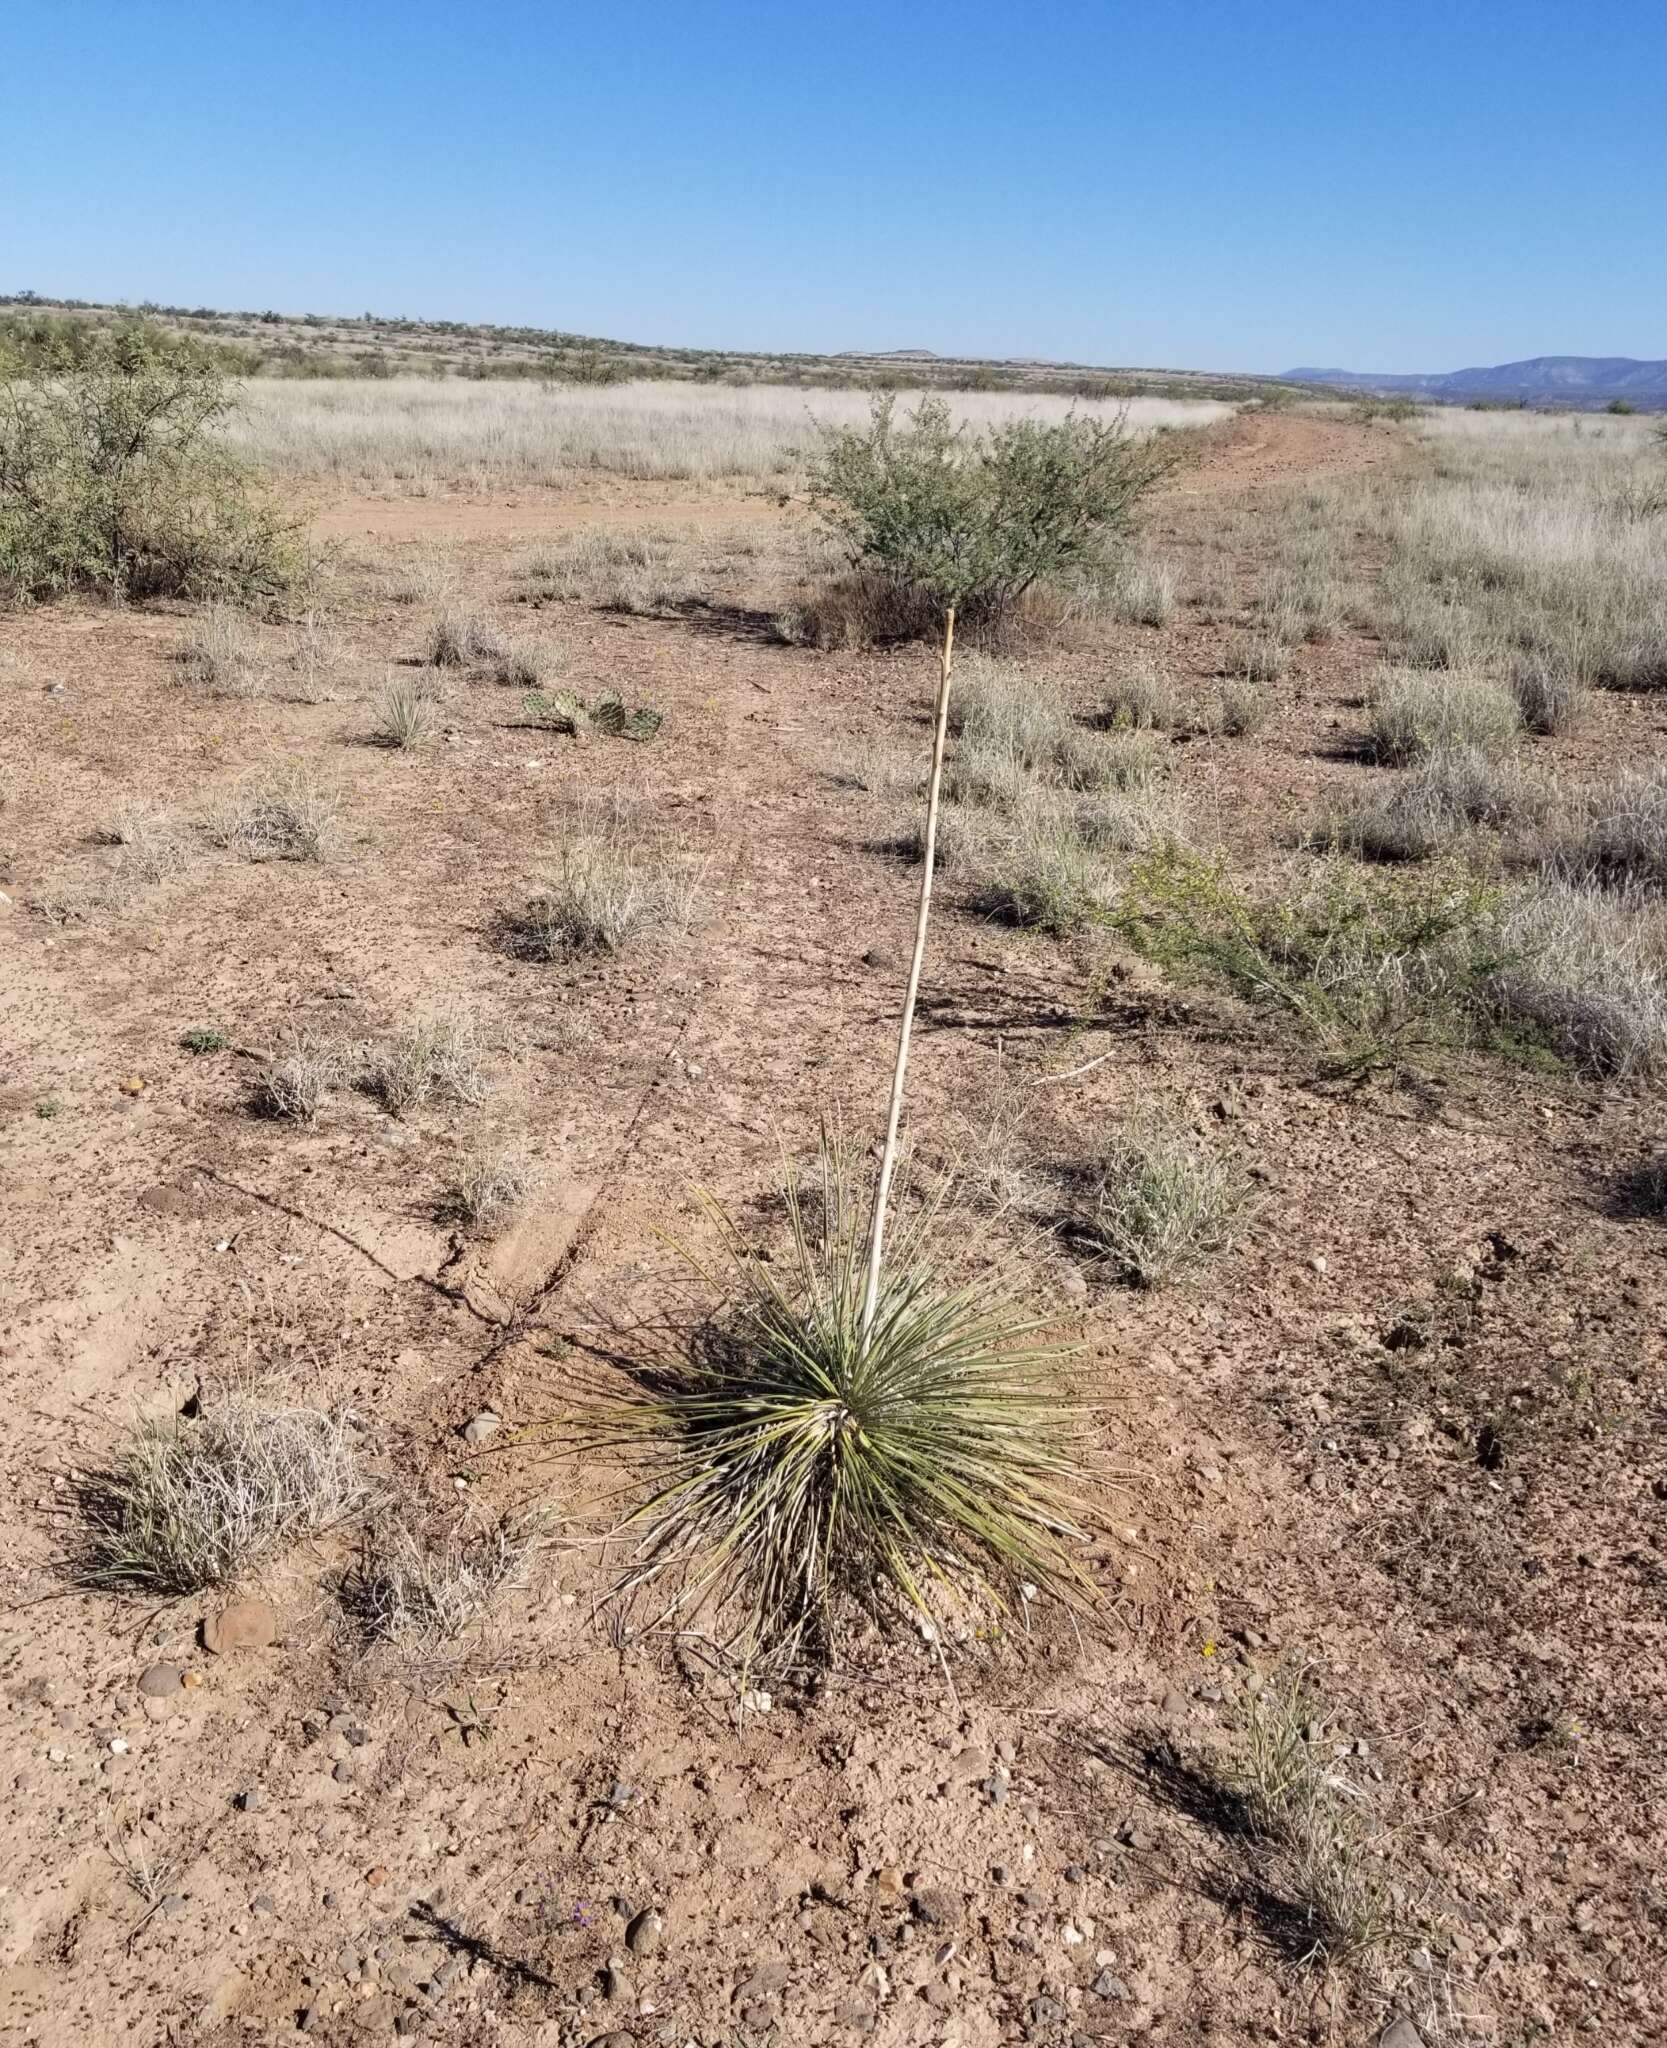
1541 380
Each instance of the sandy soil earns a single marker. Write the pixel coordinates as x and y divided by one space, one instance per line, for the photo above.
1408 1433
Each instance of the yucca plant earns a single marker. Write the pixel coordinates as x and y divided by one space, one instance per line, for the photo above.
819 1462
859 1435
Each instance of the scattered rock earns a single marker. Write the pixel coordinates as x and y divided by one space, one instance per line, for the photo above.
376 1875
1400 2033
889 1881
1109 1985
1172 1706
617 2039
1072 1284
263 1903
936 1908
645 1933
344 1773
243 1625
482 1427
616 1986
160 1681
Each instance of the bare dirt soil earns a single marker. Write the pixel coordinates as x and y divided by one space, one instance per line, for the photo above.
1409 1433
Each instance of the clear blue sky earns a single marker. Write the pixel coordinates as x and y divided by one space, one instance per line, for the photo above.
1221 184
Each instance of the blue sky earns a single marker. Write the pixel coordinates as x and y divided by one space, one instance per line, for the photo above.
1208 185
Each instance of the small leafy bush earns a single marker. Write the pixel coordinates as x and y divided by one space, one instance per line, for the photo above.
114 477
976 521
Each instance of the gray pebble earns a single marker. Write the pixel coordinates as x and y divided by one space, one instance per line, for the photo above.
482 1427
1108 1985
1400 2033
645 1932
344 1773
263 1903
250 1801
161 1681
172 1904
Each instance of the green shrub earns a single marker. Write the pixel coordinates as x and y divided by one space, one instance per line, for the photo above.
114 477
1371 967
977 521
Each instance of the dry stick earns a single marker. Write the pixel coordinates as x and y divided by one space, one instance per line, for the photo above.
888 1158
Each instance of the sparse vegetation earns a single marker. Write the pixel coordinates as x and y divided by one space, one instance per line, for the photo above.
1160 1201
463 639
285 814
1414 713
494 1183
297 1082
612 888
608 714
434 1059
526 664
420 1591
193 1504
204 1038
1337 1894
219 654
1452 790
1142 699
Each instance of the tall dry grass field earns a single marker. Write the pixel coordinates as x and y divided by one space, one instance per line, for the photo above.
415 430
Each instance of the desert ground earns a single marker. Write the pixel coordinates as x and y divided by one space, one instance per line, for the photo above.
1400 1437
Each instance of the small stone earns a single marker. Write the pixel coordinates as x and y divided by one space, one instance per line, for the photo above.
1072 1284
618 2038
344 1773
243 1625
999 1873
889 1881
616 1986
262 1903
173 1904
482 1428
645 1933
1108 1985
1074 1873
1045 2011
377 1875
1400 2033
1171 1706
936 1908
160 1681
192 1681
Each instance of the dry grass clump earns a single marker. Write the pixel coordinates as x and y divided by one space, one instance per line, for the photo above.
315 653
493 1183
418 1591
407 712
1143 591
285 814
923 1469
460 639
1413 713
1258 657
1128 820
435 1059
613 887
527 664
1242 709
1161 1201
1620 833
150 843
193 1504
628 571
421 577
1142 699
1550 697
296 1082
1452 790
1336 1898
1585 971
219 654
1043 876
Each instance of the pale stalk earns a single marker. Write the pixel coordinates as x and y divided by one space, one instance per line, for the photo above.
888 1157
